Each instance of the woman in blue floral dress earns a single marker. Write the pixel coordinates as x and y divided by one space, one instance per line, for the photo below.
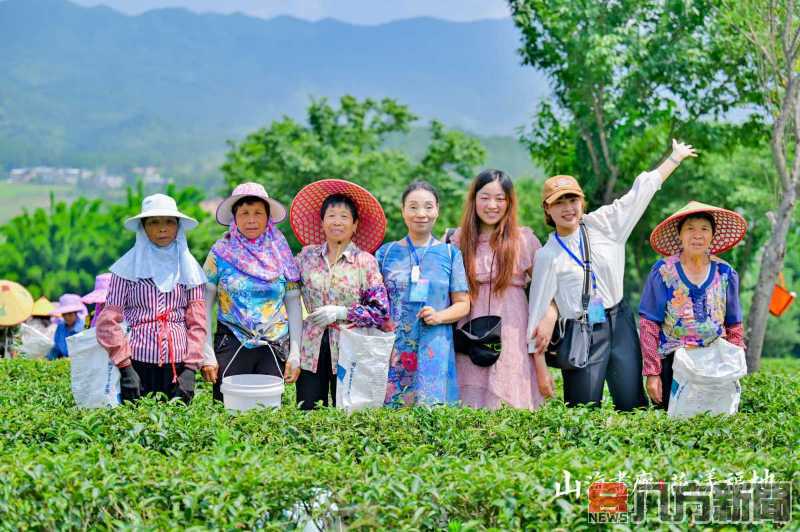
428 292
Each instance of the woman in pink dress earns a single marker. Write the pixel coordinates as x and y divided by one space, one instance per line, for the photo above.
498 253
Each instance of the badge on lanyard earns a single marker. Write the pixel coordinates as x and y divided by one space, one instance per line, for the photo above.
597 312
414 274
418 292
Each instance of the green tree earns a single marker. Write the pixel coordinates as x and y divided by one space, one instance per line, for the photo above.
63 248
346 143
628 76
768 33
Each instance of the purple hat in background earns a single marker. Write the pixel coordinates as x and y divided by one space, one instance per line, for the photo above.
100 292
70 303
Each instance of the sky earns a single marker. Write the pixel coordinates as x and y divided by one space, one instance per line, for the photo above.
366 12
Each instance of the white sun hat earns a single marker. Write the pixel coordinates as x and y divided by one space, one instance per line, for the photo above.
160 205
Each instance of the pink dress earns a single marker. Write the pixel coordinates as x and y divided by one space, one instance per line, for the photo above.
512 379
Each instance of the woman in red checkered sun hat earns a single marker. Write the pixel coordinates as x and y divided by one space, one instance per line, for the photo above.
340 224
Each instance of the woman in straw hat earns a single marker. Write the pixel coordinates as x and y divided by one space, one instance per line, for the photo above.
341 224
73 314
691 296
253 275
428 292
41 320
559 272
157 288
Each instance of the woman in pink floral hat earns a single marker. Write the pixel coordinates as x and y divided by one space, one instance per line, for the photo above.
253 275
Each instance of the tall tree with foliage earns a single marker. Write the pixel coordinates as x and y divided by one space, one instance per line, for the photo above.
617 69
768 33
626 79
346 142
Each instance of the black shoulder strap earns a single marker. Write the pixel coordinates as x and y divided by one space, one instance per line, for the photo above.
587 269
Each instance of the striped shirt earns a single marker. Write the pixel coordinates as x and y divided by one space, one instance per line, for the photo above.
155 320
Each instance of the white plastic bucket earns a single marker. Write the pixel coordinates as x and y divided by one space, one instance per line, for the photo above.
244 392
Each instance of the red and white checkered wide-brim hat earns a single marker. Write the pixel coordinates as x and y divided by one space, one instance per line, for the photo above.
307 225
730 230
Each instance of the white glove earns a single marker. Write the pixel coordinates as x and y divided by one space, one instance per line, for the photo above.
324 316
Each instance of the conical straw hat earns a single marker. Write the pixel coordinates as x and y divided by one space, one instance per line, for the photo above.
16 304
730 230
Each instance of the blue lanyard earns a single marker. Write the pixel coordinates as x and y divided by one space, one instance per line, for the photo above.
576 259
413 251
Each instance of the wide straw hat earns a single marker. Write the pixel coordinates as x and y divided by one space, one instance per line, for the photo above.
159 205
277 212
42 307
730 229
68 303
304 214
101 284
16 304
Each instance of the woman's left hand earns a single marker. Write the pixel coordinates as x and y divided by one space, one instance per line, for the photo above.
429 316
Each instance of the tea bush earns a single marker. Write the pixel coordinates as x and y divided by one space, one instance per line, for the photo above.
159 465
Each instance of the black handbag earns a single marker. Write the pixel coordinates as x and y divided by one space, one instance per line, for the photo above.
572 338
480 338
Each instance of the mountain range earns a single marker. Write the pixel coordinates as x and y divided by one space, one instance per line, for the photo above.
90 85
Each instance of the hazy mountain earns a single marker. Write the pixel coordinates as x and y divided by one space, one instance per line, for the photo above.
85 85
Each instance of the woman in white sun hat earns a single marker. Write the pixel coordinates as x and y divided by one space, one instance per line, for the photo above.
253 275
157 288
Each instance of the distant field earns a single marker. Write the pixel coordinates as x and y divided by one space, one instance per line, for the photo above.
15 198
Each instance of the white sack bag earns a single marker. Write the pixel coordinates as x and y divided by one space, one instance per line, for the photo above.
35 344
363 368
707 379
95 379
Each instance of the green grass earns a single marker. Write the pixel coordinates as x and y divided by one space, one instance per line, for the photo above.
14 198
165 466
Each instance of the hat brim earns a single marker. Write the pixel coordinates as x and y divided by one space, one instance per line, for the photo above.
306 223
564 192
731 228
188 223
59 311
95 296
277 212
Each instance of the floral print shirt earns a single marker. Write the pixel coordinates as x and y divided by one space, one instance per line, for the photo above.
353 282
690 315
248 304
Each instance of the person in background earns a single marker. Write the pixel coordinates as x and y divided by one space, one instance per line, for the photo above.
428 292
157 289
691 297
41 320
97 297
73 315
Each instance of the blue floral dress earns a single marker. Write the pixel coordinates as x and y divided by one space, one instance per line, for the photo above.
423 365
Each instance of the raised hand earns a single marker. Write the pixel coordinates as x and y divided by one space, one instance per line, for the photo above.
681 151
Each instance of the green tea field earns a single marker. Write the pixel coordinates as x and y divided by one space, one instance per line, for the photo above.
165 466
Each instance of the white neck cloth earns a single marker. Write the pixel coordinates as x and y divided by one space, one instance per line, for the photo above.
167 266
